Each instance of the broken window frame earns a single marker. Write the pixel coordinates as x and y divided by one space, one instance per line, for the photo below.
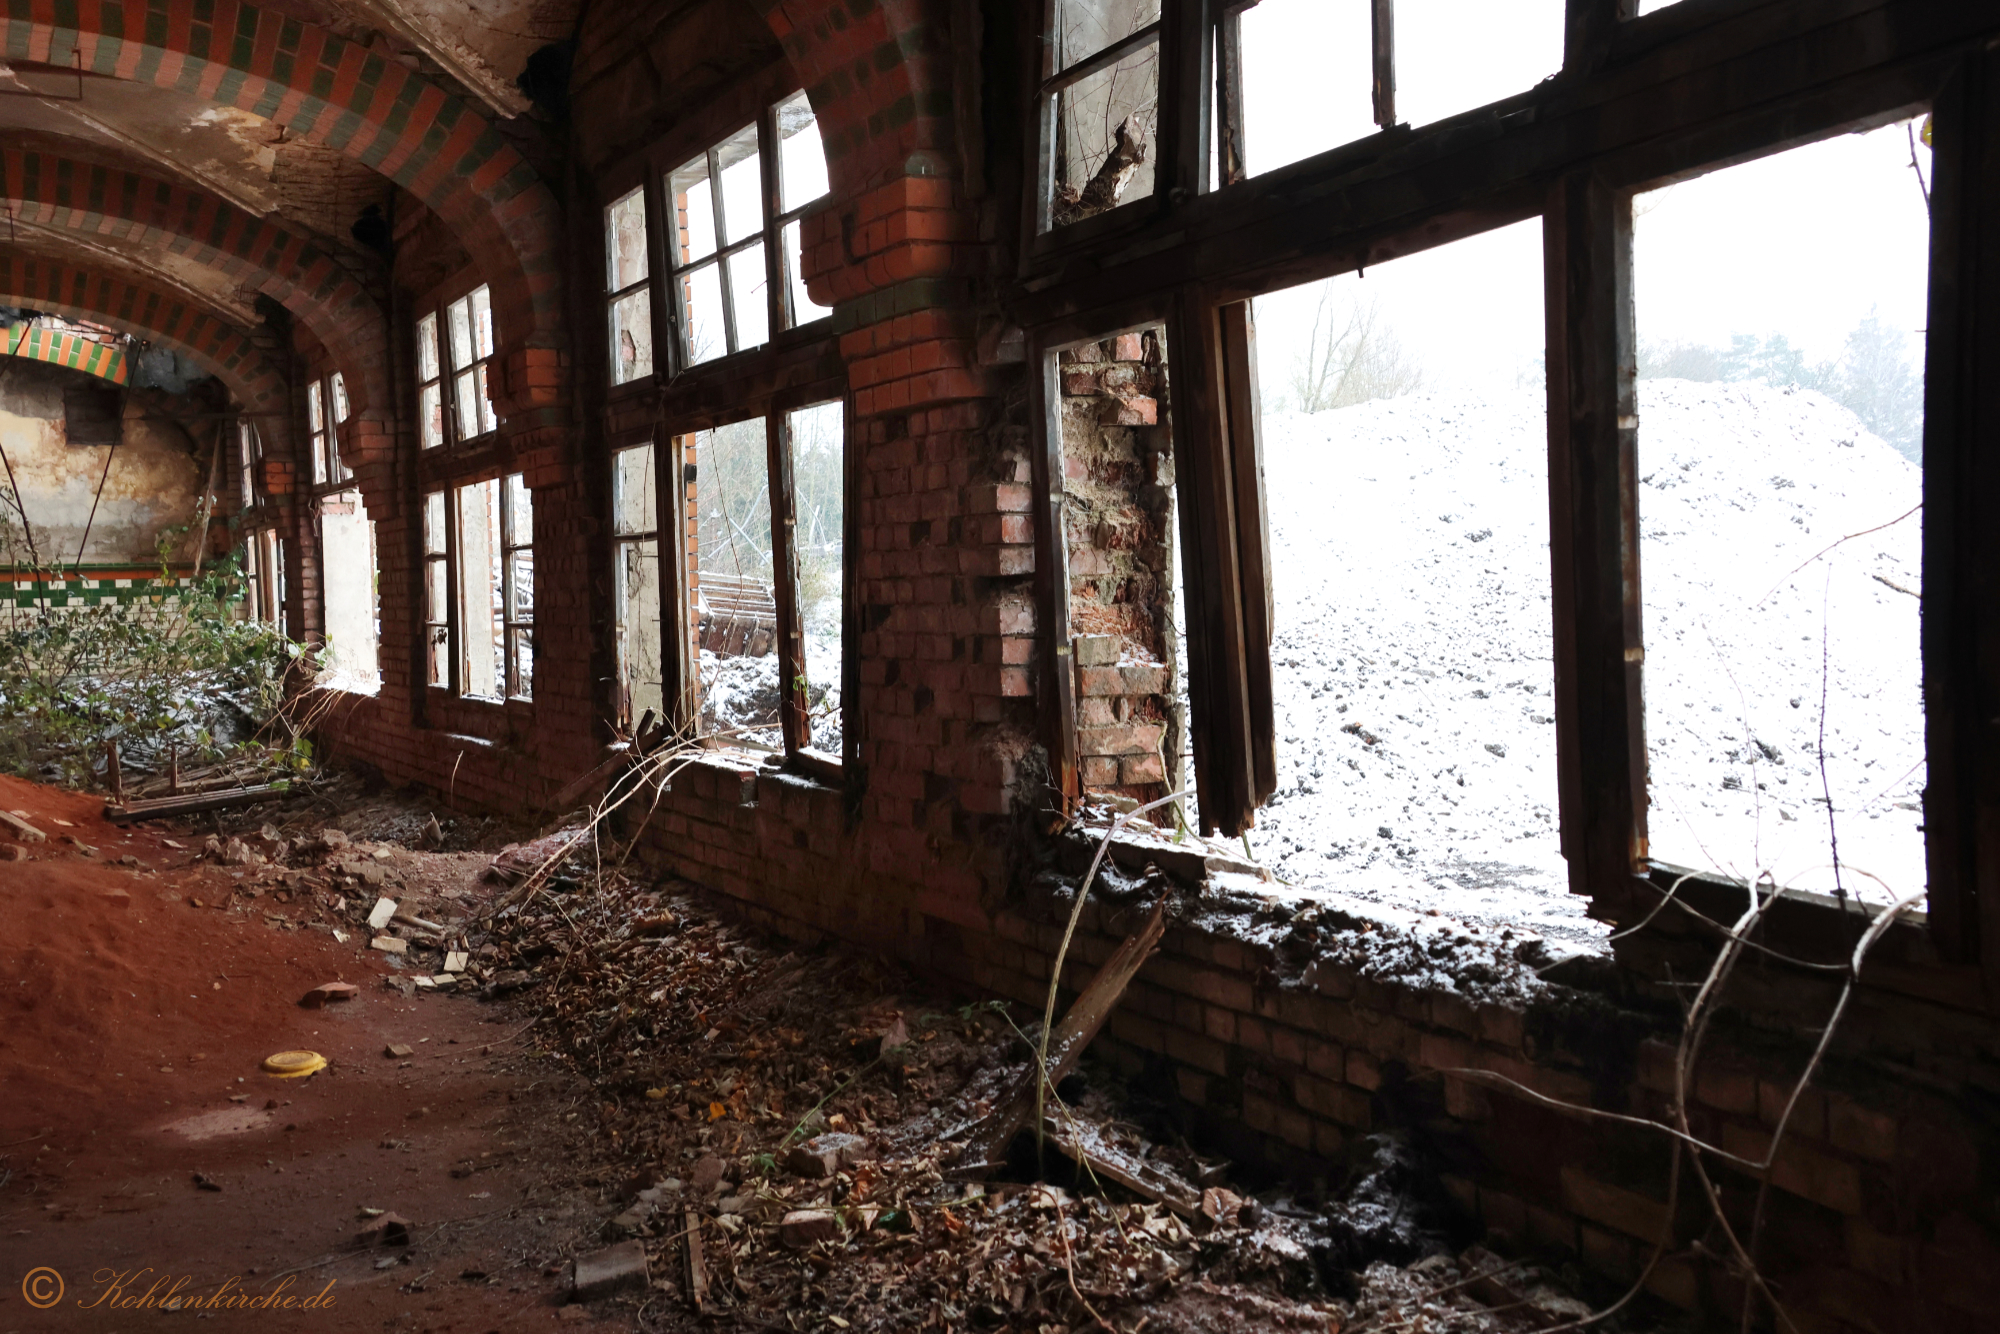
676 535
1053 79
616 295
449 367
326 413
517 621
1231 128
449 629
1320 220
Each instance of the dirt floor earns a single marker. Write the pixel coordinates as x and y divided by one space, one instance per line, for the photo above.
559 1053
140 987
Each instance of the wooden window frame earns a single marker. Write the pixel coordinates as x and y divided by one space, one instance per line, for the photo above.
1342 211
674 535
514 625
452 628
433 331
327 410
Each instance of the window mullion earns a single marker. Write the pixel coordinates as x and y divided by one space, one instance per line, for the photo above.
1187 39
454 598
722 251
1229 99
660 273
777 264
793 722
1382 27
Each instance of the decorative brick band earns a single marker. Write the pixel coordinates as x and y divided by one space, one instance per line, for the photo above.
70 351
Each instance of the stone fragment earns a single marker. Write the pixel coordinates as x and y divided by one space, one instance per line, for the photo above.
1097 650
707 1175
803 1227
389 945
610 1271
388 1229
21 829
455 961
399 1050
823 1155
328 992
379 915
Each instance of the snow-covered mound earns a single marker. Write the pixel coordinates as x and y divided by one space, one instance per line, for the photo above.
740 696
1413 662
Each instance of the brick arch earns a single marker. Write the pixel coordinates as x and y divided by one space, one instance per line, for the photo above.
336 93
223 350
65 194
74 352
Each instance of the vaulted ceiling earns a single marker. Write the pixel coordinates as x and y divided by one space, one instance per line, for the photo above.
195 158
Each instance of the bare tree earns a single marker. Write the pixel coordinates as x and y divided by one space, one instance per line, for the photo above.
1352 356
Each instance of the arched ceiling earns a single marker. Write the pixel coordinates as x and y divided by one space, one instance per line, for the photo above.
185 133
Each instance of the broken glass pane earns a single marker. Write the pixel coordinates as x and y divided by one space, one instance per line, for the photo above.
1085 27
1308 79
801 155
749 289
819 435
1104 131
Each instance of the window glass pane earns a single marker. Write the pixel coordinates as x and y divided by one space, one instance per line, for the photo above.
804 309
638 594
520 511
524 585
1780 308
437 633
819 435
749 287
742 185
1405 451
459 316
634 506
434 530
694 210
625 241
488 421
339 387
318 452
482 321
479 607
466 389
315 414
430 410
427 348
1308 78
701 314
1454 55
735 611
801 154
1085 27
522 643
1104 138
632 337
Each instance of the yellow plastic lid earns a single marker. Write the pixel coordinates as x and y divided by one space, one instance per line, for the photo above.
293 1064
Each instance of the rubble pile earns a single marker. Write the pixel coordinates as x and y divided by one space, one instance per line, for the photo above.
781 1131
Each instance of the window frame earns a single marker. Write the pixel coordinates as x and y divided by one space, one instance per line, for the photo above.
651 172
675 538
513 624
436 314
1351 207
451 630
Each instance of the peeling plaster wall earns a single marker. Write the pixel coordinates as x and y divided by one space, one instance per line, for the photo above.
154 482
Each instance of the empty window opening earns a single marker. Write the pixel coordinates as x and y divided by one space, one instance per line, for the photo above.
1100 99
1296 77
517 579
93 412
1406 480
1779 313
479 606
817 442
1455 55
635 520
1120 526
731 585
349 588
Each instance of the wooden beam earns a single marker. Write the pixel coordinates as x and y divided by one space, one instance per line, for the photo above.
1593 532
1243 423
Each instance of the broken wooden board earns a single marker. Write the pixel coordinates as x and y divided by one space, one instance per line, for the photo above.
697 1266
161 808
987 1142
21 829
1081 1143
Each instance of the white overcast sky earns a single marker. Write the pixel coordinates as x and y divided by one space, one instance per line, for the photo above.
1802 243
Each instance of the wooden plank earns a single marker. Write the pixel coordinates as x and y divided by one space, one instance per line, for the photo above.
1243 420
1593 532
793 723
1073 1032
162 808
1080 1142
1058 664
1382 40
21 829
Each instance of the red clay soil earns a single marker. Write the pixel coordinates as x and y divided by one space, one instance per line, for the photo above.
133 1017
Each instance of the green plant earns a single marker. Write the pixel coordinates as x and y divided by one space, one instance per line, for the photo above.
169 673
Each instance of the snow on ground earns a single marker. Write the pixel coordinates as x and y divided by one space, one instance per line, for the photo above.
740 695
1416 740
